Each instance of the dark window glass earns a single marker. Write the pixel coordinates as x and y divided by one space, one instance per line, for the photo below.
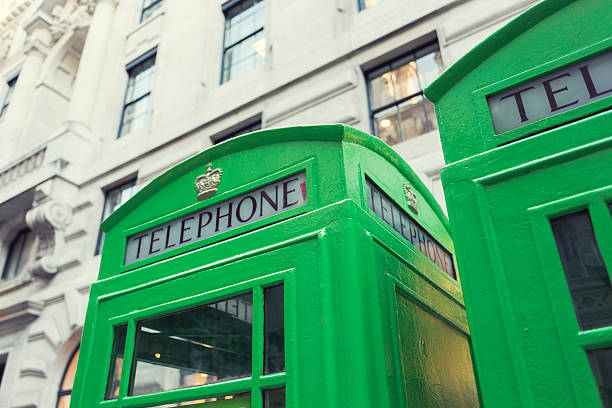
136 106
149 7
2 366
65 391
114 375
274 398
364 4
242 131
585 271
227 401
19 252
274 312
113 199
601 364
9 94
398 109
244 45
203 345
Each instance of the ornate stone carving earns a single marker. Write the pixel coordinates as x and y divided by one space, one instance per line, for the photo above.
49 222
6 40
72 14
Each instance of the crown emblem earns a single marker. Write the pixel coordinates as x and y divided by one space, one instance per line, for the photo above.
411 198
206 184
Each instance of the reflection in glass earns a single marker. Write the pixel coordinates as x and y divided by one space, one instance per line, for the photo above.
19 253
65 391
364 4
387 126
381 90
137 96
601 364
149 7
399 109
114 375
244 44
429 67
585 271
274 329
228 401
406 80
274 398
203 345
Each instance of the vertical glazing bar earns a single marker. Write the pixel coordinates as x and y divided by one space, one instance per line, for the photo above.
127 359
258 346
602 228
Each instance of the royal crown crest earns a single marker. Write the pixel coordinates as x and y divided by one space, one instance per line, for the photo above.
206 184
411 198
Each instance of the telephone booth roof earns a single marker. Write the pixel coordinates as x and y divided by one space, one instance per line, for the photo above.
329 150
543 40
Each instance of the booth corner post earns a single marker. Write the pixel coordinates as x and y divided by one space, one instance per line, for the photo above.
526 130
299 267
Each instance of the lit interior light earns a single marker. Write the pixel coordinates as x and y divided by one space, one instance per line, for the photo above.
385 123
157 355
260 46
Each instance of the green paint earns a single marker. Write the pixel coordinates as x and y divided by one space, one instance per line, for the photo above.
502 192
341 265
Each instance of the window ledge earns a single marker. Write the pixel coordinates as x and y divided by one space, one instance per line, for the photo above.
148 21
19 314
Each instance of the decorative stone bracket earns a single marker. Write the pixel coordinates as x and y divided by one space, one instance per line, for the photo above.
49 222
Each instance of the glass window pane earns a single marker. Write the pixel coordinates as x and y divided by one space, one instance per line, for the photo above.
585 271
412 118
64 402
429 67
405 80
114 374
432 121
149 8
387 126
227 401
364 4
203 345
274 312
601 364
274 398
68 380
381 90
20 252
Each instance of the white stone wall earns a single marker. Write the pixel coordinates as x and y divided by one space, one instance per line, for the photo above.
59 150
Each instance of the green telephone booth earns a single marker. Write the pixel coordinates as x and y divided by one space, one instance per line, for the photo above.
526 130
298 267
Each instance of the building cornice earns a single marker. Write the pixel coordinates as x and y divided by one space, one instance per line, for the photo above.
19 314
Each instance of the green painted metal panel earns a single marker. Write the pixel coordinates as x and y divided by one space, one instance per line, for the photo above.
435 357
505 188
334 256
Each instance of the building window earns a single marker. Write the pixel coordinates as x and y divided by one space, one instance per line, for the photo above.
587 277
242 131
149 7
65 390
19 253
136 106
9 94
398 108
364 4
244 45
3 359
114 199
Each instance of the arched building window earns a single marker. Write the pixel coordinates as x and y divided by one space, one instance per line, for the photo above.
19 252
65 389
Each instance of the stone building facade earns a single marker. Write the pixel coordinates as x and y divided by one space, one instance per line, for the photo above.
101 96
